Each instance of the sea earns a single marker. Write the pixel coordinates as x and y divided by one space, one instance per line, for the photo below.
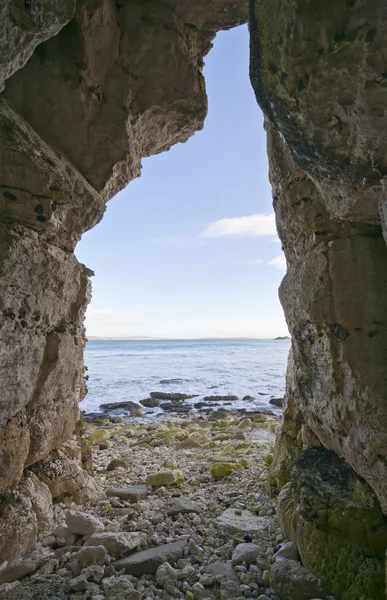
122 370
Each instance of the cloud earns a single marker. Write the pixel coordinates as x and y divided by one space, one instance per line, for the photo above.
279 262
255 261
250 226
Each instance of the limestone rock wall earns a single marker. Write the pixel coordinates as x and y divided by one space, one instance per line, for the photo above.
92 86
319 73
89 88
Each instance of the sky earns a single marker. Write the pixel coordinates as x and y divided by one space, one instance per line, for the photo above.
190 249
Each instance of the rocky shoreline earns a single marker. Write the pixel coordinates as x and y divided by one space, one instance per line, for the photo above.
182 510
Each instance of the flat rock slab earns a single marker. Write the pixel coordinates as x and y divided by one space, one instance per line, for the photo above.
117 543
148 561
132 493
242 521
180 506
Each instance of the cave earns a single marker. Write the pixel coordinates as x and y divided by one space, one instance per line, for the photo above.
88 89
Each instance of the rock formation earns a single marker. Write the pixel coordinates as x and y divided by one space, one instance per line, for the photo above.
90 87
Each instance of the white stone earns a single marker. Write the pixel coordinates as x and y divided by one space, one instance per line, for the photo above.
81 523
245 552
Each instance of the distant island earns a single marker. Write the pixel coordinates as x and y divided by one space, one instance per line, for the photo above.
282 337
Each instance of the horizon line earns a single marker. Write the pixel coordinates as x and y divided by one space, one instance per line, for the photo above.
151 338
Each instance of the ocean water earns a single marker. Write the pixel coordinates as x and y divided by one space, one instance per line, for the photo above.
121 370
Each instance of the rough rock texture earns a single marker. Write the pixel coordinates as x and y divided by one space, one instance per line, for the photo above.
91 87
319 74
337 524
24 513
24 25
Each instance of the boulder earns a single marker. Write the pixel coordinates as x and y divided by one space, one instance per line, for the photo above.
180 506
288 550
244 522
148 561
98 435
134 409
89 555
82 523
131 493
150 402
165 477
24 513
277 402
118 588
173 396
117 463
290 581
337 524
165 572
245 553
117 542
218 470
229 398
18 568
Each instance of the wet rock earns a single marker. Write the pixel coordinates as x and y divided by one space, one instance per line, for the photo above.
242 522
173 396
248 398
290 581
245 553
134 409
177 407
82 523
172 381
150 402
148 561
117 543
228 398
277 402
117 463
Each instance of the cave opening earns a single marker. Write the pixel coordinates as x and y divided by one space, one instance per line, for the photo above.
189 251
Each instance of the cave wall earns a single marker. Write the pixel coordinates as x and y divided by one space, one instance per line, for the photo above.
319 73
89 89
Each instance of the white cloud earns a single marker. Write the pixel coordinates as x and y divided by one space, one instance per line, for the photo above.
250 226
279 262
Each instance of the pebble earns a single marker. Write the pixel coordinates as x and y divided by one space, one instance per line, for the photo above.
190 522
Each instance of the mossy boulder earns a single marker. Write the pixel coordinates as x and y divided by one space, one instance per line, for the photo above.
337 524
165 477
245 424
98 435
223 469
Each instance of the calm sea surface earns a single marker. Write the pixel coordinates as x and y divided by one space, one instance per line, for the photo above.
129 370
